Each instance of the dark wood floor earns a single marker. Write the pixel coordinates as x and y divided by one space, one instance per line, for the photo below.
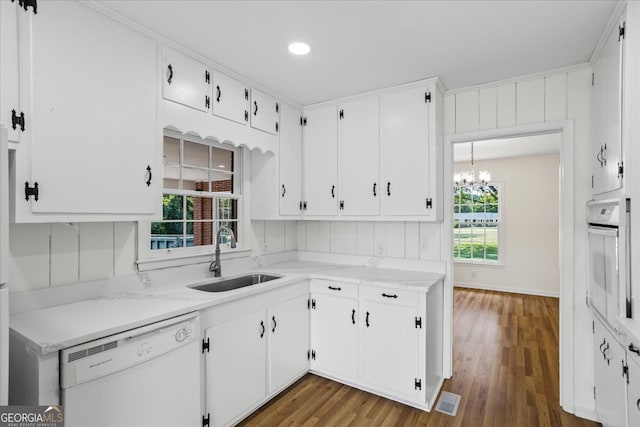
505 368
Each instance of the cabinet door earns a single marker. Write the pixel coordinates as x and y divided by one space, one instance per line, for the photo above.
186 81
633 394
609 358
90 112
334 336
320 161
608 89
10 99
264 112
235 367
288 341
230 98
359 157
405 146
384 330
290 189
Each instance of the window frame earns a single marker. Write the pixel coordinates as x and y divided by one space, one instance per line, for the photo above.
149 259
501 252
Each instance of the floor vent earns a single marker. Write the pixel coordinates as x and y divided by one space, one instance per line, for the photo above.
448 403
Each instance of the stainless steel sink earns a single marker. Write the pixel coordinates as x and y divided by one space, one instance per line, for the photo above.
235 282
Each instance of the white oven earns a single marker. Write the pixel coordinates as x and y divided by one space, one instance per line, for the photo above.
609 291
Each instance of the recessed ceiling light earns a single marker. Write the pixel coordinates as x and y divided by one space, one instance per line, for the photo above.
299 48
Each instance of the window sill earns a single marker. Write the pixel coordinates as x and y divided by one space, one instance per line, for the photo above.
188 259
479 263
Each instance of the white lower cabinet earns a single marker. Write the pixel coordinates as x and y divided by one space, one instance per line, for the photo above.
609 361
254 349
236 374
385 329
334 335
633 394
384 340
288 341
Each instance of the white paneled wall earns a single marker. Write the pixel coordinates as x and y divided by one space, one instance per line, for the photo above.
43 255
404 240
536 100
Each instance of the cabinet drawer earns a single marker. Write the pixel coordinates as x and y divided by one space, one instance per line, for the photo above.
389 295
330 287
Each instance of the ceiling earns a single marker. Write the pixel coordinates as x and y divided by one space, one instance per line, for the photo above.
505 148
359 46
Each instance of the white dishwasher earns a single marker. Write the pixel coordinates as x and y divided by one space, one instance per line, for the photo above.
149 376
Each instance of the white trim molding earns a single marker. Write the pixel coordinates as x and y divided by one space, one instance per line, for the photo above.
485 287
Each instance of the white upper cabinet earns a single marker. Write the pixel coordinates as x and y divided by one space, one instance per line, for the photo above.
264 113
186 81
89 89
230 98
320 161
290 191
410 153
359 157
608 167
10 111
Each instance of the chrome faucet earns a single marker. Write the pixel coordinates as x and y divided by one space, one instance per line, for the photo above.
215 267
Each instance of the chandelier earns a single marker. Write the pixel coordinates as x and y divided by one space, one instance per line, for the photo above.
468 178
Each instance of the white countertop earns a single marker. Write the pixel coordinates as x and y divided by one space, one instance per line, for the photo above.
54 328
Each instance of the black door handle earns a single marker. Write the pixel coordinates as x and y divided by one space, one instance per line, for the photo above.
333 191
604 341
170 68
335 289
255 105
353 316
150 175
390 296
634 349
218 93
366 320
388 188
284 190
273 318
374 190
262 326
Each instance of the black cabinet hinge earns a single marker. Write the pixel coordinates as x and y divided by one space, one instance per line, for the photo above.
592 179
313 355
427 97
17 120
620 170
277 108
246 116
341 205
418 322
621 31
31 191
206 420
418 384
26 3
625 371
276 127
207 101
207 76
206 345
593 323
594 392
303 121
246 94
341 114
311 304
304 206
593 79
429 203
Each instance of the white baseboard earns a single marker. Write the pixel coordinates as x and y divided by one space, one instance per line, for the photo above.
536 292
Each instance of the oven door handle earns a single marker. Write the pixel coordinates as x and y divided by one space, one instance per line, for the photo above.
603 231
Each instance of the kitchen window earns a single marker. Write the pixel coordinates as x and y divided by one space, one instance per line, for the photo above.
201 193
477 224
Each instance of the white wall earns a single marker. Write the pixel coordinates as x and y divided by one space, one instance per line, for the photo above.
49 255
530 220
533 100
